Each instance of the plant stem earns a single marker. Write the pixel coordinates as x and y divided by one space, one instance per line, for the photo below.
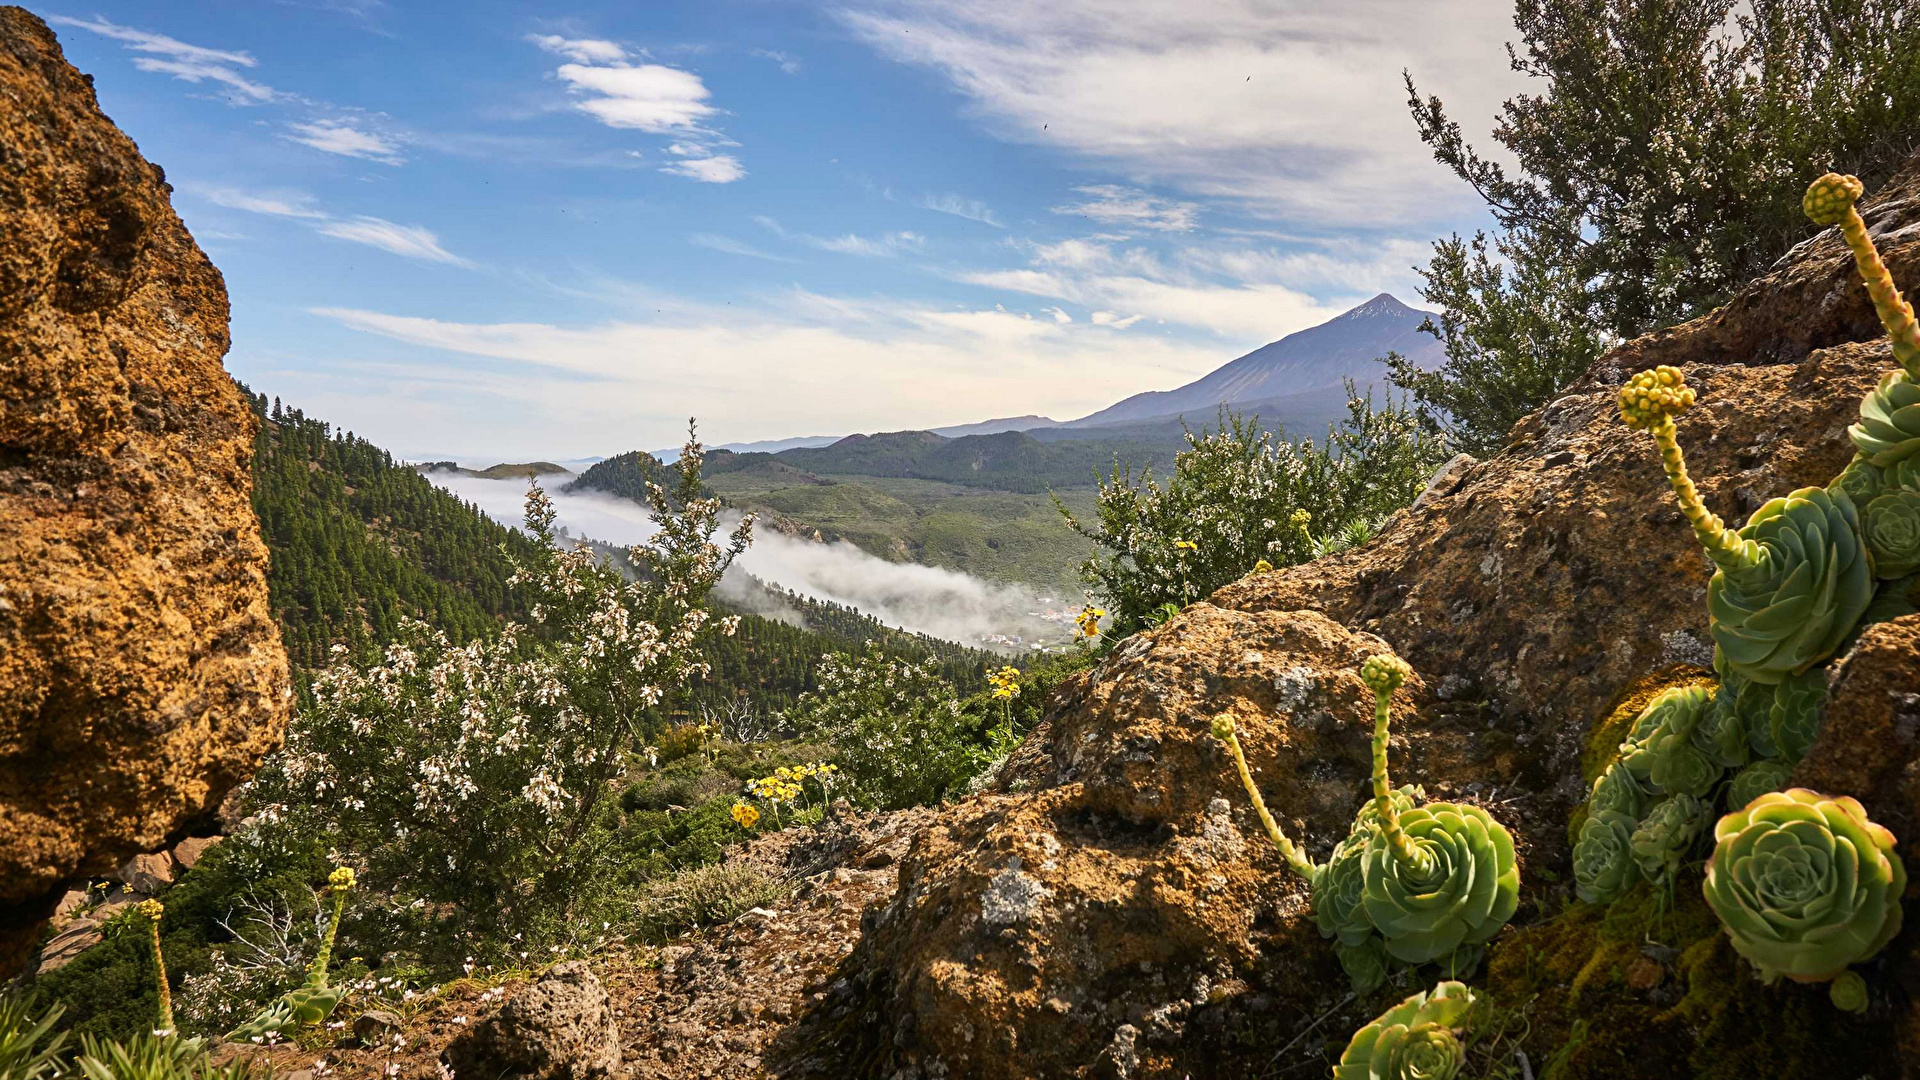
317 974
1896 314
1292 852
1403 849
1723 545
160 976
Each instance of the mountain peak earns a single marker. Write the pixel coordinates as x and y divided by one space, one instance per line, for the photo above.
1385 305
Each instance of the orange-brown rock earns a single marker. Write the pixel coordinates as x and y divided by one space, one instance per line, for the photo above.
1099 915
140 674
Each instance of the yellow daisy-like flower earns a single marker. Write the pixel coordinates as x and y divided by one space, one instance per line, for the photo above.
1089 621
745 815
1186 545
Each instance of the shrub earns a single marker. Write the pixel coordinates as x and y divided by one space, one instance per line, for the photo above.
1239 496
897 728
703 896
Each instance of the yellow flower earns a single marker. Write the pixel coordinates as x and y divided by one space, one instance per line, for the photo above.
152 909
341 878
1089 621
1263 567
1186 545
745 815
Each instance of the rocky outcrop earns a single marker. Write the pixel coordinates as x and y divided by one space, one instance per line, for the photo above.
140 674
1111 909
560 1028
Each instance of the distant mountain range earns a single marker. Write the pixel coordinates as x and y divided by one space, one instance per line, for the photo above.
1296 385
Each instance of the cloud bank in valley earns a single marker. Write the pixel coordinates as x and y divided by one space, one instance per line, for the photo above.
922 599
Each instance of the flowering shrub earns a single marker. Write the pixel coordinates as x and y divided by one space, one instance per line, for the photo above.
897 727
471 781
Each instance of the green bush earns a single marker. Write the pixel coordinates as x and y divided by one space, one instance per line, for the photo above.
703 896
1239 496
899 732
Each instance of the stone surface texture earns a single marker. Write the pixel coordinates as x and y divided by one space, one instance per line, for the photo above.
140 674
560 1028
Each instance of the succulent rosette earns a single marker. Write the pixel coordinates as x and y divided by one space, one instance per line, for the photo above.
1754 703
1365 964
1661 840
1722 732
1616 790
1339 889
1889 428
1797 590
1805 884
1460 889
1417 1039
1862 481
1757 779
1892 525
1603 862
1661 751
1794 719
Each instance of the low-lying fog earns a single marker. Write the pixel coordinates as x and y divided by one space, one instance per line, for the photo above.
923 599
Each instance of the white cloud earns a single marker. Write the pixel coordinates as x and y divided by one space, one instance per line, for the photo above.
1282 106
886 245
788 63
580 50
802 362
715 169
341 137
960 207
1112 204
169 56
1059 316
649 97
734 247
274 204
1108 318
408 241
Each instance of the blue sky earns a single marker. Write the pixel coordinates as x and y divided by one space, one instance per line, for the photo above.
498 230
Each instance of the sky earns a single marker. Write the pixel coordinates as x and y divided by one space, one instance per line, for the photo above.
502 231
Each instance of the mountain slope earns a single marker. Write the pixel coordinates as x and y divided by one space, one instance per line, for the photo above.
1318 358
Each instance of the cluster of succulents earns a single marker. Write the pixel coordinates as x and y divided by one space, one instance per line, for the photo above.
1418 1039
1414 882
314 1000
1803 883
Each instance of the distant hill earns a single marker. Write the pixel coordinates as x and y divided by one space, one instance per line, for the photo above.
505 471
995 427
1293 376
1006 461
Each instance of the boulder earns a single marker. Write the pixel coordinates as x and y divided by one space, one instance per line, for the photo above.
1110 908
148 874
141 675
559 1028
187 853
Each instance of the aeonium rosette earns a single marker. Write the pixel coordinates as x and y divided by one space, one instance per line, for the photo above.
1805 884
1418 1039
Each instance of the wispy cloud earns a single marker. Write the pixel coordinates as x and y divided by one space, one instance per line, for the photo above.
729 245
787 61
885 245
164 55
655 98
580 50
408 241
1111 204
343 138
961 207
1282 108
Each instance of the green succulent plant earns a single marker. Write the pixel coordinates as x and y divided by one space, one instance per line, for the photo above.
1435 878
1661 839
1722 732
1365 964
1804 884
1227 731
1862 481
1794 720
1892 525
1758 778
1617 790
1418 1039
1791 583
313 1001
1661 751
1848 992
1340 889
1603 860
1889 427
153 911
1754 702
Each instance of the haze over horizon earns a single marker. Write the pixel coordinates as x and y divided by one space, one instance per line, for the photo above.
505 234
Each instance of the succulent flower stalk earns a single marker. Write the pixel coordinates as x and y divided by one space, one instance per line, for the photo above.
1804 884
1436 878
1225 730
314 1000
1831 200
153 910
1649 402
1417 1039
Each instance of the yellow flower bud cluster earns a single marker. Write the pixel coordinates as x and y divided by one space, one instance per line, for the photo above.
152 909
1653 394
1185 545
1005 683
1829 198
1223 726
1383 672
341 879
1089 621
745 815
1263 567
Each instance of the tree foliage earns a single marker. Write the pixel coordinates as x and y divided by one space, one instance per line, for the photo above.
1659 166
